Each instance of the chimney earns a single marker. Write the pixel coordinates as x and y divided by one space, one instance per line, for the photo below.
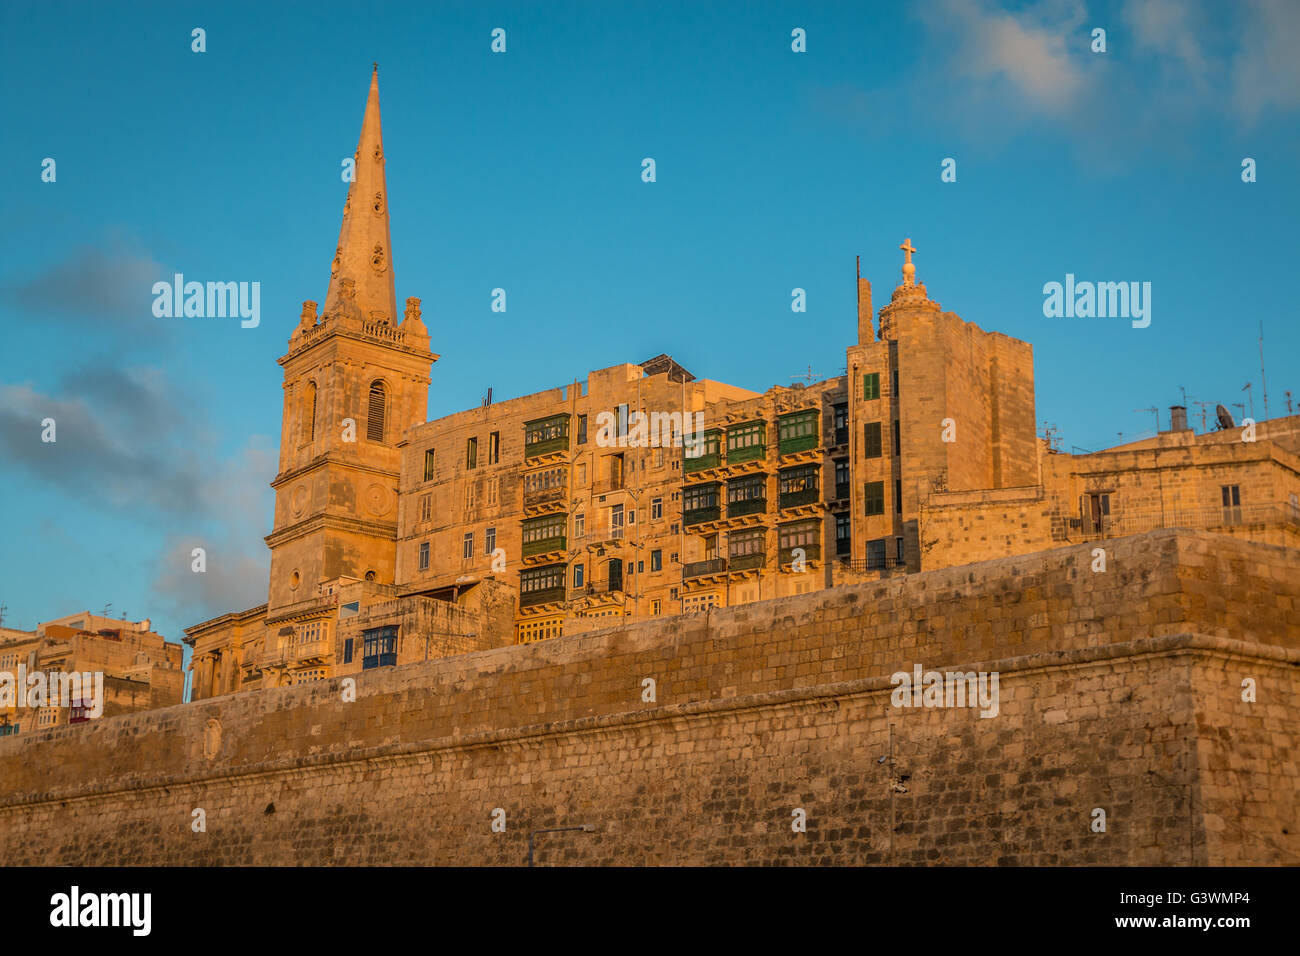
865 333
1178 418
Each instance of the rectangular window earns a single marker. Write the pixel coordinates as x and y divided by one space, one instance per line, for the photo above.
428 465
1231 495
582 429
894 379
577 575
898 443
426 507
840 422
656 509
380 647
843 535
494 448
899 543
424 556
347 651
871 445
659 457
898 495
468 549
582 474
870 386
580 525
656 560
876 554
620 413
616 521
655 606
1096 512
875 493
489 541
471 453
842 478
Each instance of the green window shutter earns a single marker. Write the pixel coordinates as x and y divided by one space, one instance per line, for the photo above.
871 440
875 495
870 386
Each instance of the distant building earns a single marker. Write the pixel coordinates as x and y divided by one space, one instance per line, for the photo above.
140 669
644 491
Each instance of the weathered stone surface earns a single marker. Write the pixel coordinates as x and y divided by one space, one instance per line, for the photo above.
1119 690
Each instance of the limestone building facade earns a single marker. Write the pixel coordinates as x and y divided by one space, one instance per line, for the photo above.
644 491
141 669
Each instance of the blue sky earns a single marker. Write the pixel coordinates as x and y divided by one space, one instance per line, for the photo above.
522 170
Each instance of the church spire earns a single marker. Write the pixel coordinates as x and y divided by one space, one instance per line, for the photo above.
361 278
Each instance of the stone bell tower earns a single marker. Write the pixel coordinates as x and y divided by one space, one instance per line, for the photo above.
356 377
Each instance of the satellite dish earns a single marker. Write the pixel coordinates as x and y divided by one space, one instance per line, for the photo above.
1225 419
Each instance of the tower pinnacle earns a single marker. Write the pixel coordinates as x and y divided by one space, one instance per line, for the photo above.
909 270
361 277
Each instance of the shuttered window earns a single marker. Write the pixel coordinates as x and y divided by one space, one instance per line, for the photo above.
375 419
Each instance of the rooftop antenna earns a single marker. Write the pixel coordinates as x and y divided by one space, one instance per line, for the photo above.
487 399
1241 406
4 607
1052 435
1288 402
1204 406
1154 411
1251 393
1262 382
810 375
106 607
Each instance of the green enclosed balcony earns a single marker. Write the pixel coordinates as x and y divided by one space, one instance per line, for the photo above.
747 442
543 545
545 596
807 496
701 515
747 562
797 431
710 452
697 569
748 506
811 552
545 436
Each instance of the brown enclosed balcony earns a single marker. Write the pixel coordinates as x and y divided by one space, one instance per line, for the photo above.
698 569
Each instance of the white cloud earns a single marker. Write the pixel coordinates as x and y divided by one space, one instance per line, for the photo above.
1266 67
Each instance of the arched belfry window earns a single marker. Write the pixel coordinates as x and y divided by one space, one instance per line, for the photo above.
309 411
375 419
